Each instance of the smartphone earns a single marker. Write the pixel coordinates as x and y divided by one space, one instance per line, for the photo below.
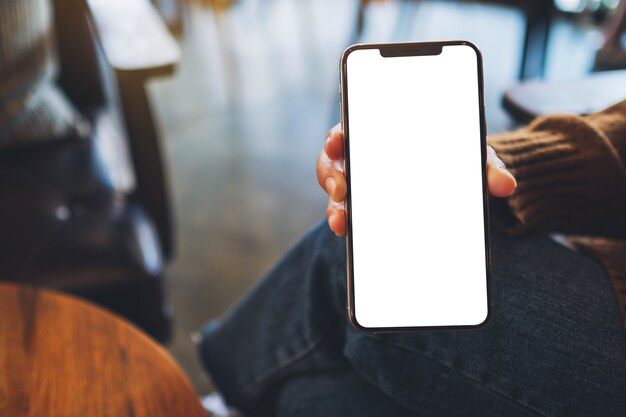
415 163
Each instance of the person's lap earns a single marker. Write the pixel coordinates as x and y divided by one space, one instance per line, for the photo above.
554 345
335 393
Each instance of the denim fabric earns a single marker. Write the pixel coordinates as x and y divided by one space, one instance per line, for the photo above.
335 393
554 347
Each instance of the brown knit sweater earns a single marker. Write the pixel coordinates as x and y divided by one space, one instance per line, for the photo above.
571 179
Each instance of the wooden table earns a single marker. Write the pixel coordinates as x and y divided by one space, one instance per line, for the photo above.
60 356
587 95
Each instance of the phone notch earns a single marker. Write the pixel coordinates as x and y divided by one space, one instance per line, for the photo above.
403 50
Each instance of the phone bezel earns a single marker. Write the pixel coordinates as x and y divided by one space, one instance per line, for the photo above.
403 49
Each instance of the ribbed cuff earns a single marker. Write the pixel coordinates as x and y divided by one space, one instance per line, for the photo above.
570 179
612 123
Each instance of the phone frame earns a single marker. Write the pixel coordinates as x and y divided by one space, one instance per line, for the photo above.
399 49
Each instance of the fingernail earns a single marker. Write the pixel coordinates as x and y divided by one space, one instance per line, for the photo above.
499 164
331 186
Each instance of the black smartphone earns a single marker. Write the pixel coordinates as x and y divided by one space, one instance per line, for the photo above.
415 162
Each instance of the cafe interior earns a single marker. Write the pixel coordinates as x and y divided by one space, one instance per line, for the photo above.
188 167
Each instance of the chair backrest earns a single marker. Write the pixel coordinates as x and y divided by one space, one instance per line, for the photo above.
91 83
79 73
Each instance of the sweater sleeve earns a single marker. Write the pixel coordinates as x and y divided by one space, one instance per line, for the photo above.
570 173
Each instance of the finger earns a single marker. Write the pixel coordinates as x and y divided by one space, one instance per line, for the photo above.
330 177
336 217
500 181
334 143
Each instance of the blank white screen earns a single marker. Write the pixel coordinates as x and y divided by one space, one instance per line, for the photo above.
418 236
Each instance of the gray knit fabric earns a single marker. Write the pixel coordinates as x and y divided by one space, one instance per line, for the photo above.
31 106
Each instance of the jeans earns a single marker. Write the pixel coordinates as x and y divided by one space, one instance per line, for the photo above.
555 344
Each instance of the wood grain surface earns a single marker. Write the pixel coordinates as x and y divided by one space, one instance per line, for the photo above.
60 356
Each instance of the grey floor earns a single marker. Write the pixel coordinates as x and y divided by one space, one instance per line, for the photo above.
248 110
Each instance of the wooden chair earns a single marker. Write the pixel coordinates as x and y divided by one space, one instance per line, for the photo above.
91 215
593 93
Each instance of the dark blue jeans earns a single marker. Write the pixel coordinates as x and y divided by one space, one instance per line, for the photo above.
554 347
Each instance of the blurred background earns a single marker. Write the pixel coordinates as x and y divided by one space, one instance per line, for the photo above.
223 106
248 110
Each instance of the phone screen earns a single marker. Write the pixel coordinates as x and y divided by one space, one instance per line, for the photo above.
415 161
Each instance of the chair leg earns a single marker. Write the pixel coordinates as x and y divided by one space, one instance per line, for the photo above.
538 21
360 21
147 156
153 313
142 303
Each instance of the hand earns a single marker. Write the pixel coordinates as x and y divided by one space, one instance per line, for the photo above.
331 178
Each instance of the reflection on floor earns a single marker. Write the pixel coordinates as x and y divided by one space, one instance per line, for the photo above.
247 112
